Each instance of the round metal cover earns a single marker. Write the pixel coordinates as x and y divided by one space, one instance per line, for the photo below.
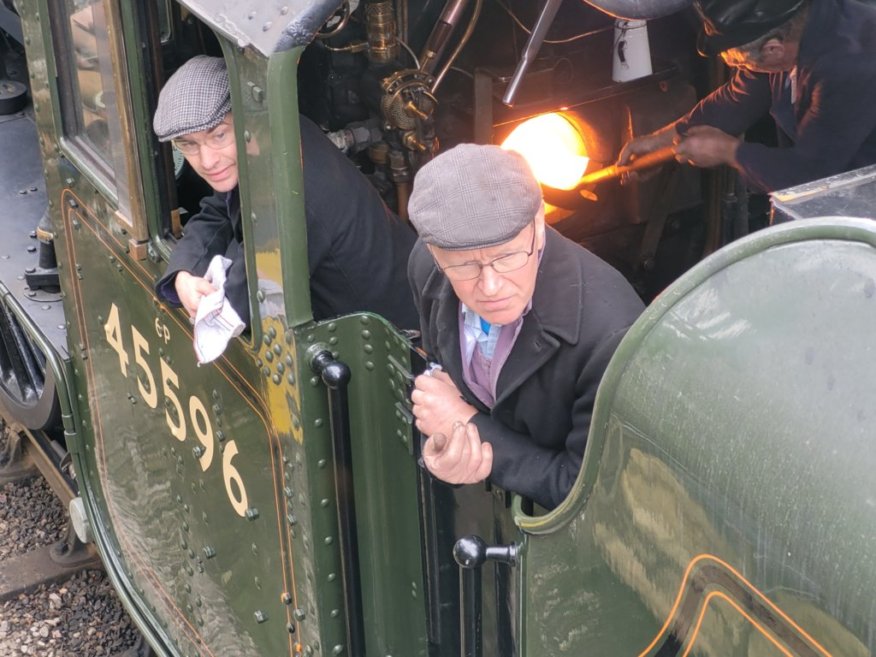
13 96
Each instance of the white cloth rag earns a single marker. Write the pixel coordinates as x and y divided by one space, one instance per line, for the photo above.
216 322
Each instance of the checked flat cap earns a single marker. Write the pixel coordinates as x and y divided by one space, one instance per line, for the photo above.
473 196
195 98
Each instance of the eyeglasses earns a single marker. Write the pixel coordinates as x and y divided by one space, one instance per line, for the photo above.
504 264
221 137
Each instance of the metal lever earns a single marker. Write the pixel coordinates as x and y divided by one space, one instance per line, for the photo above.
471 552
571 198
617 170
533 45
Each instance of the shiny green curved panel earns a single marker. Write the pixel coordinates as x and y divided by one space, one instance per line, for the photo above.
727 506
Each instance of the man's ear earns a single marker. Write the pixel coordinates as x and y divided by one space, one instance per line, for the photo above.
540 227
773 51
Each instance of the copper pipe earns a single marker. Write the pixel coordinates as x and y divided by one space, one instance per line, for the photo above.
469 30
382 32
441 33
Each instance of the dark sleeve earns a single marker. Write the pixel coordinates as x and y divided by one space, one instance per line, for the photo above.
829 135
207 234
357 249
733 107
546 475
420 265
235 281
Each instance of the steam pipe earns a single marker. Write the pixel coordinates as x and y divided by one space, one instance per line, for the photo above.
440 35
382 32
533 45
475 14
639 9
630 9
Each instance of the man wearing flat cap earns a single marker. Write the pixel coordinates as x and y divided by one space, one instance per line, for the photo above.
810 63
357 249
521 320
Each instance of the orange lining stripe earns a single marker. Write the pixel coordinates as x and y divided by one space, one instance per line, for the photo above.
767 602
702 615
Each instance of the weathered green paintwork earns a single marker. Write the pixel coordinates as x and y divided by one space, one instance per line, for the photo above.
727 503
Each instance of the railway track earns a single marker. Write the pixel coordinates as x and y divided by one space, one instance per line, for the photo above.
55 599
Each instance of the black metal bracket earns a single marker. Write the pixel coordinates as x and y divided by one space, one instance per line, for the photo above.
70 552
472 552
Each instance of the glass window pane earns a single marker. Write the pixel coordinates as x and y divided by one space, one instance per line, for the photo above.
92 81
165 23
93 117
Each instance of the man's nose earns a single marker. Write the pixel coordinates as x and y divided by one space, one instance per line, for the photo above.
209 156
490 281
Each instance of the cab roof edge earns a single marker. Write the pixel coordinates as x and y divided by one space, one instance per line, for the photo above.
269 26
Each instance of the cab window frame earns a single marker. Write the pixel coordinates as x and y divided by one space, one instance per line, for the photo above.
179 188
113 171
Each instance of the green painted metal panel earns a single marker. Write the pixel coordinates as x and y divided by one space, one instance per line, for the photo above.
384 472
181 462
850 194
727 501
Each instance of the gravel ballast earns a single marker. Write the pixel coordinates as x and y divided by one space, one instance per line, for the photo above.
79 617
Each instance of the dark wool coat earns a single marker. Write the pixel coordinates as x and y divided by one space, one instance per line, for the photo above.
581 308
357 249
831 126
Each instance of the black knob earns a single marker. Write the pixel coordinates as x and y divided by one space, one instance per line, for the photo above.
470 552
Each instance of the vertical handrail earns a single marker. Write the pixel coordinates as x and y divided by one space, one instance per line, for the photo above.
336 377
471 553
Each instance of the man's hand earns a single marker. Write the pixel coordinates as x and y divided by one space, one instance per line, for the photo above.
645 144
460 459
190 290
705 146
438 404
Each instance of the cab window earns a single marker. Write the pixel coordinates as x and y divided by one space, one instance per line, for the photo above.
90 114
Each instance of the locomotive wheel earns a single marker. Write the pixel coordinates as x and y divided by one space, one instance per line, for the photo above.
27 386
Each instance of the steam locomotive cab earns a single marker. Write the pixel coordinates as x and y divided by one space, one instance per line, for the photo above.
395 84
273 502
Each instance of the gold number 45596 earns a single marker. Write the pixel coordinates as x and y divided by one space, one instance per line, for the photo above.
174 414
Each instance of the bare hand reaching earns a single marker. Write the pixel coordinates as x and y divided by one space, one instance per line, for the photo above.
645 144
705 146
460 459
190 290
438 404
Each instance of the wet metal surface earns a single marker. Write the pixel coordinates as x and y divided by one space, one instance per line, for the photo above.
22 202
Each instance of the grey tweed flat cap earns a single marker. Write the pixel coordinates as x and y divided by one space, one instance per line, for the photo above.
195 98
473 196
